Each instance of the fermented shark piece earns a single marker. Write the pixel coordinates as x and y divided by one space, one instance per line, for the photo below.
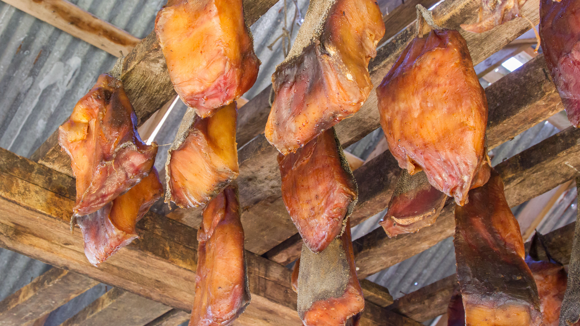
221 288
496 284
325 78
415 204
203 158
570 312
328 289
560 34
440 126
318 189
493 13
108 156
113 226
294 279
209 52
551 282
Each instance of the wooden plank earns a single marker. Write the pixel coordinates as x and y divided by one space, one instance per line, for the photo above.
44 294
402 16
526 175
376 294
79 23
266 220
159 266
118 307
432 300
146 82
516 103
171 318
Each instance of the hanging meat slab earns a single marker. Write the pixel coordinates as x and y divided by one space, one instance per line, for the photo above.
324 78
551 282
570 312
203 158
108 156
221 289
497 286
318 189
560 34
328 289
438 126
113 226
493 13
415 204
209 52
455 311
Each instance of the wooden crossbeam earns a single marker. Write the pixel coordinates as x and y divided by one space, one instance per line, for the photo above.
171 318
432 300
118 307
517 102
79 23
526 175
159 266
44 294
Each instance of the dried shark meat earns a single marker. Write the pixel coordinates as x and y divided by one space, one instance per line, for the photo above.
496 284
318 189
209 52
560 34
221 289
113 226
108 156
439 126
493 13
203 158
328 289
325 78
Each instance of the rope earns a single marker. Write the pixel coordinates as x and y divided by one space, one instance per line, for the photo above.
425 22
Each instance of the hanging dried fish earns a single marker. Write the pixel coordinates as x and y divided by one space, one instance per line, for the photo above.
439 126
318 189
560 33
203 158
496 284
209 52
324 78
113 226
108 156
221 289
493 13
328 289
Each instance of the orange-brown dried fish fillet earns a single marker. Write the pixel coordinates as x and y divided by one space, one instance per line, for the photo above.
209 52
203 159
221 289
325 78
113 226
108 156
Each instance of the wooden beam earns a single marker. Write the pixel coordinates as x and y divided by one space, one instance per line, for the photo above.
44 294
516 103
266 219
432 300
79 23
171 318
118 307
402 16
526 175
159 266
376 294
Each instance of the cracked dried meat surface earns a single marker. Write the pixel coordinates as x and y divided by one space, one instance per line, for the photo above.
209 52
497 286
493 13
318 189
325 78
113 226
108 156
560 34
329 292
434 112
203 159
221 289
